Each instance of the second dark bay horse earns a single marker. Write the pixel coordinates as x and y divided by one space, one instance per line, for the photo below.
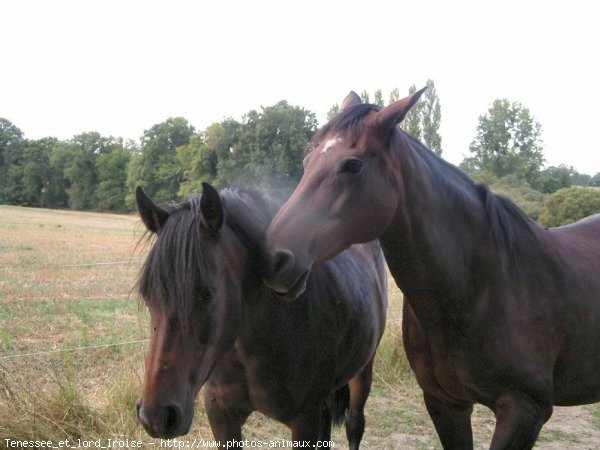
215 323
497 310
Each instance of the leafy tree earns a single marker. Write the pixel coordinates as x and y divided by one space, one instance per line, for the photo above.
265 149
87 172
569 205
156 167
507 142
412 124
595 181
579 179
431 116
36 173
60 158
209 156
195 160
228 159
364 96
11 147
423 120
394 95
379 98
554 178
111 170
80 170
333 111
276 140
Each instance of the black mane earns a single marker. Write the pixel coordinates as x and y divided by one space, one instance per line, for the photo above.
248 213
514 233
165 282
171 277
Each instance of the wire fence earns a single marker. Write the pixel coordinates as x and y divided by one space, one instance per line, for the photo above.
112 297
88 347
82 348
73 297
65 266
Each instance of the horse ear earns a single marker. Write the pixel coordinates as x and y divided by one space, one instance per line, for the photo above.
352 99
211 207
153 216
390 116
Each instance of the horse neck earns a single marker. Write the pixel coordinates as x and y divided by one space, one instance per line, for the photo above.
243 258
438 223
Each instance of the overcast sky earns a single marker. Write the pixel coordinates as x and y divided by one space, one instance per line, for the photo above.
119 67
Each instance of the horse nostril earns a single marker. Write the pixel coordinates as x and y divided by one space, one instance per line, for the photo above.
160 421
172 418
282 261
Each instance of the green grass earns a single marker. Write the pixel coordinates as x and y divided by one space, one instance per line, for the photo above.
595 411
48 308
553 435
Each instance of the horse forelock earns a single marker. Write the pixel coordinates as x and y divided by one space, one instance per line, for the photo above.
348 122
172 274
177 265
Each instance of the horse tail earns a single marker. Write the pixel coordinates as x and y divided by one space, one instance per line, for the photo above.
337 404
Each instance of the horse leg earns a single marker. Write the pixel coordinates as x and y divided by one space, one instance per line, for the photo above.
306 428
325 424
452 422
226 424
519 420
360 387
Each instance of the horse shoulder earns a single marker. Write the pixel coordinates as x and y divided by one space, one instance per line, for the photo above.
363 275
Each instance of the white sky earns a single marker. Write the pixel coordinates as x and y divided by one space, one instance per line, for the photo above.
119 67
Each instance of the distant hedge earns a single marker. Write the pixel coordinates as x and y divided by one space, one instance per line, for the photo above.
568 205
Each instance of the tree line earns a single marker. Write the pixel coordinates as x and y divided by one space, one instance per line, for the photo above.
94 172
266 148
507 154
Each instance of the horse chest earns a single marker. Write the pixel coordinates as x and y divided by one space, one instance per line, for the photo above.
276 382
435 351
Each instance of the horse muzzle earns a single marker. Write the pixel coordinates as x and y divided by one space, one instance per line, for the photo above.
285 277
164 421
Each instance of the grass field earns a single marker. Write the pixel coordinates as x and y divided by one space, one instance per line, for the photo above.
58 292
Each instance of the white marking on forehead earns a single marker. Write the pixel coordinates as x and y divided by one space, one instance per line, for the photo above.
330 143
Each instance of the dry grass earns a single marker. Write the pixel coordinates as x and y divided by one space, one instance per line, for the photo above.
45 306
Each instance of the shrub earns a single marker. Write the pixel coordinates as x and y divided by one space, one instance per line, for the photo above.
569 205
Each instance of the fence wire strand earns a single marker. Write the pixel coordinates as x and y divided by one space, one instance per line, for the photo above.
89 347
65 266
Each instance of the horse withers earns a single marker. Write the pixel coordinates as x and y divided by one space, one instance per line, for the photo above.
215 324
497 310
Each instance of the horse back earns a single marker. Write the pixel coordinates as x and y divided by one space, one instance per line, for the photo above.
578 246
586 227
577 364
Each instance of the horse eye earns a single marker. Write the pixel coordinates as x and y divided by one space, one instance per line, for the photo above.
352 166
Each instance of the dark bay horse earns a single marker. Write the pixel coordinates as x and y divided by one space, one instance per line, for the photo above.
214 323
497 309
